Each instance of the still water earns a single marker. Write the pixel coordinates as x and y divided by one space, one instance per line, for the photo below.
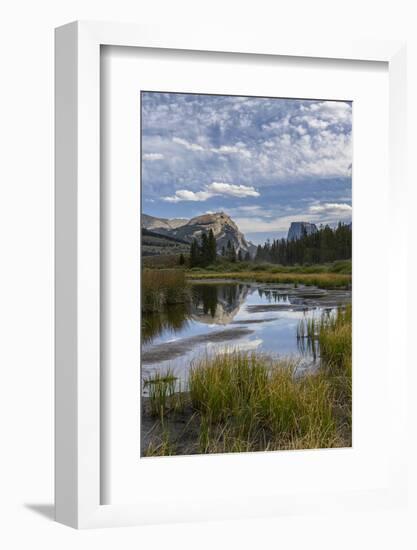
227 316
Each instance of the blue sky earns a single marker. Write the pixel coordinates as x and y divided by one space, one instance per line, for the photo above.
264 161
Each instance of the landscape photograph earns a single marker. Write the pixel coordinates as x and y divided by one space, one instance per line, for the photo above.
245 274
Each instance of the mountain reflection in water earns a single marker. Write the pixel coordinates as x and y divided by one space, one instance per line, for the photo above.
230 315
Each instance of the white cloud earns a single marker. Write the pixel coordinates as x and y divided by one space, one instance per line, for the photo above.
237 149
185 195
332 111
213 190
187 144
321 154
331 207
315 123
232 190
153 156
221 138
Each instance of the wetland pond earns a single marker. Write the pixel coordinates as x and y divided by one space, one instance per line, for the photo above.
225 316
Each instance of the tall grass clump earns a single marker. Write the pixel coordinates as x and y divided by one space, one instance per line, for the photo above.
335 337
248 402
163 287
224 385
335 340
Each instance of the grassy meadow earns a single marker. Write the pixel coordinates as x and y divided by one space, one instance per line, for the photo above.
329 276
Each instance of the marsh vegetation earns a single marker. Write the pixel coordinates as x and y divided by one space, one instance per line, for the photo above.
248 402
246 357
162 288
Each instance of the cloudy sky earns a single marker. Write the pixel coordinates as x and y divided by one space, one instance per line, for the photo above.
265 162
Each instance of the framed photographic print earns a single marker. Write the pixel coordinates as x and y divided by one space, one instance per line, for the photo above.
222 348
246 291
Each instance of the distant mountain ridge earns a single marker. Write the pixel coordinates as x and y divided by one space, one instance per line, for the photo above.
299 229
150 222
224 230
165 236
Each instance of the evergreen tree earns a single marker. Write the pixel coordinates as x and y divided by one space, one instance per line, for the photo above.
247 257
194 254
212 247
239 256
205 253
181 260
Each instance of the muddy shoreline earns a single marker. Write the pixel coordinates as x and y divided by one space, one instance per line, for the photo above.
164 352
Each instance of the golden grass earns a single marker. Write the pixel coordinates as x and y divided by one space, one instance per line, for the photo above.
249 403
322 280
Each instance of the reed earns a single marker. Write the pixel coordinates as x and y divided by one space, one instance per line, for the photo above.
163 287
161 389
333 332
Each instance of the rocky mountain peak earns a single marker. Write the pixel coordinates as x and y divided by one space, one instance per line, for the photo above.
298 229
222 225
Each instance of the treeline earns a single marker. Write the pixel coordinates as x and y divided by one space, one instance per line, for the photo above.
326 245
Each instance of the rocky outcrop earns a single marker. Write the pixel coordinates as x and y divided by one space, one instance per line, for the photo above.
299 229
224 230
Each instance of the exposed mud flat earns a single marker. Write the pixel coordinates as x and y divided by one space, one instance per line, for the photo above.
266 308
171 350
184 429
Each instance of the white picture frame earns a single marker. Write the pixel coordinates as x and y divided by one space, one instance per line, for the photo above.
77 242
